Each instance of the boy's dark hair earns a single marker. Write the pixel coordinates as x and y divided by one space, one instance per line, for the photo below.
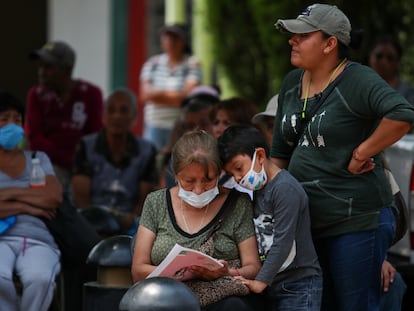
240 139
8 101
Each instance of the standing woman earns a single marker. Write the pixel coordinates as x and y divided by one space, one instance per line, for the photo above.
337 154
26 248
165 81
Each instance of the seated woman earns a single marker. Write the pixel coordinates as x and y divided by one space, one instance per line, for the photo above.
27 248
189 213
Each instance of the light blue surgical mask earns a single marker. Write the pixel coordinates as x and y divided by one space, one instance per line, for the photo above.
10 135
197 200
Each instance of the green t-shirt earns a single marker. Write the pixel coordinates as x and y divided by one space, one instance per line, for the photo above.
236 226
339 201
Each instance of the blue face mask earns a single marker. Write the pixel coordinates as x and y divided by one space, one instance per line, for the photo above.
10 135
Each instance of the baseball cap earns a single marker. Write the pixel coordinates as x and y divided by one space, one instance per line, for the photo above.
270 110
178 29
325 17
56 52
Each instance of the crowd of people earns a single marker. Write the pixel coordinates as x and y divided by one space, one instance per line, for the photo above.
293 200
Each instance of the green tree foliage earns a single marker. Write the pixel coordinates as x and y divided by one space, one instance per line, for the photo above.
255 56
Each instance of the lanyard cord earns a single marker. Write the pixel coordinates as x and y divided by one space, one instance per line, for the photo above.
305 102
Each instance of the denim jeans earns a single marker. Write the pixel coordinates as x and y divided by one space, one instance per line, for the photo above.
301 295
251 302
160 137
351 265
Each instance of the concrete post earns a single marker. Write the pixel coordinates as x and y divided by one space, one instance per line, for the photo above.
202 43
174 11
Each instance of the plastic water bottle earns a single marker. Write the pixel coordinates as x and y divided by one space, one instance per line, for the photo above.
37 176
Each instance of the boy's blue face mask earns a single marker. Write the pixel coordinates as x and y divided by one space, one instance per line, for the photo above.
10 135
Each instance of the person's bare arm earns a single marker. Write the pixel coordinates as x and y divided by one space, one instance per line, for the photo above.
81 191
387 132
144 91
250 263
14 208
249 257
141 261
47 197
165 97
248 279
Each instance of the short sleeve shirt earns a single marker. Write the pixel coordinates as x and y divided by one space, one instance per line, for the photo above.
237 225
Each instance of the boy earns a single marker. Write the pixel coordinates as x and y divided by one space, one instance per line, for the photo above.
290 275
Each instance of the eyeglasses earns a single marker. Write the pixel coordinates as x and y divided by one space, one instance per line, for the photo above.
389 57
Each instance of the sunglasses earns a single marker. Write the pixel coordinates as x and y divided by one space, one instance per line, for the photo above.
389 57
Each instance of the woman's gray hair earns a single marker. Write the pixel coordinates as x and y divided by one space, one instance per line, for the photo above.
195 147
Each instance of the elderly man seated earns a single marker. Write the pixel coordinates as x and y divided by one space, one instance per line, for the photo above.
113 169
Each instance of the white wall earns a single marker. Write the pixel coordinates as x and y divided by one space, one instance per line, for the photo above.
85 25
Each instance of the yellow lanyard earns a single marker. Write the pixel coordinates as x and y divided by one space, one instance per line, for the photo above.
305 102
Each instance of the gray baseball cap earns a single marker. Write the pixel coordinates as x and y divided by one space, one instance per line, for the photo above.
55 52
270 110
324 17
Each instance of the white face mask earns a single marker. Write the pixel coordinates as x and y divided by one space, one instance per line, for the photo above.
253 180
197 200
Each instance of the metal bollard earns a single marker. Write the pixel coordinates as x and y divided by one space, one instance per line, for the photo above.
113 259
159 294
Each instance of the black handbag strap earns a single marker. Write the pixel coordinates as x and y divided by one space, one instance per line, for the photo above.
323 96
228 205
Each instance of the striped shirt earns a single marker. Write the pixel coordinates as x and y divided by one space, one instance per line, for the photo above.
164 77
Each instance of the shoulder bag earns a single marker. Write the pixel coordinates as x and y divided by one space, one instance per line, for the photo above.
209 292
400 208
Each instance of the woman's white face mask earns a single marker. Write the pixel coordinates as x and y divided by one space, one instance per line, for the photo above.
198 200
